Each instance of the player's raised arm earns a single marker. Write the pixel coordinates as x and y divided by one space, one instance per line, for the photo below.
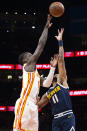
41 42
61 64
48 81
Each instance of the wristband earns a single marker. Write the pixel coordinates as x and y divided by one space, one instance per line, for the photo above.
60 43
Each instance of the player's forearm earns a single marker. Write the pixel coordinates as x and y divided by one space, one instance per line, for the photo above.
41 104
43 38
61 50
43 101
47 83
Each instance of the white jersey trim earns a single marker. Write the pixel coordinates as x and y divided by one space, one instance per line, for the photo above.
65 87
63 114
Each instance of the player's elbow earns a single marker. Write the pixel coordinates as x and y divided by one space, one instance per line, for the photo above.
41 42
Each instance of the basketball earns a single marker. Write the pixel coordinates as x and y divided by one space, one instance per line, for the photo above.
56 9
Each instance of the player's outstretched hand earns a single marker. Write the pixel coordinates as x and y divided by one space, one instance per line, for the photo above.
60 34
54 60
49 24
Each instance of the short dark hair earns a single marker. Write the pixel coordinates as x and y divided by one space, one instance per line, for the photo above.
21 57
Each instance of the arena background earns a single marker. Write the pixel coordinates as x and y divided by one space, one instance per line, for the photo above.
20 29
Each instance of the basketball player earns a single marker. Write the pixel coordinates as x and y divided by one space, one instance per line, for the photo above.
58 95
26 109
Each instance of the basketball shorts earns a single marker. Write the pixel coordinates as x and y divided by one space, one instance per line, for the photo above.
64 123
26 118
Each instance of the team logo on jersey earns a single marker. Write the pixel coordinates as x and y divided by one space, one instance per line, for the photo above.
69 117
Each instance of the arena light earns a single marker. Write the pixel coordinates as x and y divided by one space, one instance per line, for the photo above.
80 53
69 54
6 13
78 93
15 13
10 108
3 108
33 27
9 77
25 13
18 67
7 30
38 66
43 66
7 66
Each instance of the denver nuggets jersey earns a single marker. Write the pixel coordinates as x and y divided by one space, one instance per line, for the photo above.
59 99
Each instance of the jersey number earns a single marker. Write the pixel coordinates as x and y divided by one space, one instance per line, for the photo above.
55 99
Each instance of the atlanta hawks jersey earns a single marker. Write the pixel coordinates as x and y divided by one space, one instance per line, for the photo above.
26 110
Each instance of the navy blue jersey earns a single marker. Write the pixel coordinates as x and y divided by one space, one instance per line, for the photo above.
59 99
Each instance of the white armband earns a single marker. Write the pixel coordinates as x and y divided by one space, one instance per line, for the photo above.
49 79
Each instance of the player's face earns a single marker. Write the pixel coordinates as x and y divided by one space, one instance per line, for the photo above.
27 57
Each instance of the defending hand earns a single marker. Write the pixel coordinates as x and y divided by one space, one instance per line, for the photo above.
60 34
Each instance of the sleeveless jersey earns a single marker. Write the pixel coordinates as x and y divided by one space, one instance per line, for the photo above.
30 85
59 99
26 110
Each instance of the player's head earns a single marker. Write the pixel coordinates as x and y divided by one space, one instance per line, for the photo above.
24 57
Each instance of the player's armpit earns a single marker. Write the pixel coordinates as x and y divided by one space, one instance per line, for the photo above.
62 80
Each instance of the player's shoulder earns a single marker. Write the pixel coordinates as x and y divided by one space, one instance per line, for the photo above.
65 86
50 89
